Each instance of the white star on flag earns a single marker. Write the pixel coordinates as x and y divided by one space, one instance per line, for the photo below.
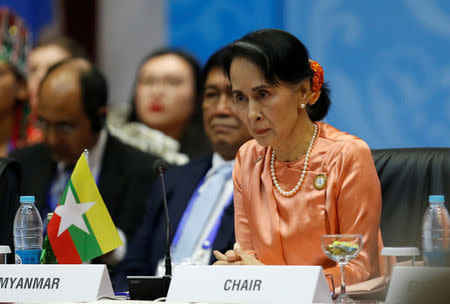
71 213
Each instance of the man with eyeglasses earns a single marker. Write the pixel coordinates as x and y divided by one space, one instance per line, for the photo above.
201 206
71 112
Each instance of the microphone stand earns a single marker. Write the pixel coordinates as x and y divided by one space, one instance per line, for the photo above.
161 167
168 261
151 288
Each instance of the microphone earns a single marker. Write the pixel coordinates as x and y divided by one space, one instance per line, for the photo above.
152 287
160 167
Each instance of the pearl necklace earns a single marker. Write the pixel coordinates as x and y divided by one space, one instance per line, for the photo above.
303 174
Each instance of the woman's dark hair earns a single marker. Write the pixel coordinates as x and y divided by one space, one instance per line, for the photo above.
281 57
196 73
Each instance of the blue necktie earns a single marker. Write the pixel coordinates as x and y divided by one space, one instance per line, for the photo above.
200 213
58 186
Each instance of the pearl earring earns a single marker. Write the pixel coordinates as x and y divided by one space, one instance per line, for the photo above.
302 106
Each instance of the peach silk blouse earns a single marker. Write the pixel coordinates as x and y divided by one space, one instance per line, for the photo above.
286 230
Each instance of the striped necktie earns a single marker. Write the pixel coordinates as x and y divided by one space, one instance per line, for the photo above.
200 213
58 185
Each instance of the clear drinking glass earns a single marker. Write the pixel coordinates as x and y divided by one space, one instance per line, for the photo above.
342 248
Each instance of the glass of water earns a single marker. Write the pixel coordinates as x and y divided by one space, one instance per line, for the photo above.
342 248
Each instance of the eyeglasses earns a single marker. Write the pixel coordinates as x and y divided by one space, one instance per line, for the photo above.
59 127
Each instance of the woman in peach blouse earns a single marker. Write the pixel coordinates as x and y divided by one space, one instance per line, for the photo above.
299 178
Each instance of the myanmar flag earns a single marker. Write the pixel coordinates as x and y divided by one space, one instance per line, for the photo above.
81 227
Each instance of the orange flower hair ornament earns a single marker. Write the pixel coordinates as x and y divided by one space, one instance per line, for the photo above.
318 75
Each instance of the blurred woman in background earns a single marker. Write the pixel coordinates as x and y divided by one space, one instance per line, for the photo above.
166 98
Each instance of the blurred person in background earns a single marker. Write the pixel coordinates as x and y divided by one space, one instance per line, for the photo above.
42 56
71 112
196 228
165 107
15 44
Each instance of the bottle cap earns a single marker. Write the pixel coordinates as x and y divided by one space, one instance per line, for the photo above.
436 198
27 199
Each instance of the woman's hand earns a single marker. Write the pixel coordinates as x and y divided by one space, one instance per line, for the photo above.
236 257
229 258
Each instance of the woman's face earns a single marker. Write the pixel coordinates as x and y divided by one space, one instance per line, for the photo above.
270 112
10 88
165 94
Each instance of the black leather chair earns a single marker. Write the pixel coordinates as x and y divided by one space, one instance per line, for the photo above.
10 180
408 177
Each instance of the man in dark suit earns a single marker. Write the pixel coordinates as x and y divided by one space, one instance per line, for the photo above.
185 186
71 112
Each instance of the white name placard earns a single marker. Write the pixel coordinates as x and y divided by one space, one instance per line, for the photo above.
249 284
419 285
44 283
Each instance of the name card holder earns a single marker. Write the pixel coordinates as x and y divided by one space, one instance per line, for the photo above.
249 284
44 283
419 285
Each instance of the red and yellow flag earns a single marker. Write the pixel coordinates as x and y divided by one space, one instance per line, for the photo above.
81 227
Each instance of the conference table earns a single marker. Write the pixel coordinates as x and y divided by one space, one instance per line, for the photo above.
155 302
360 294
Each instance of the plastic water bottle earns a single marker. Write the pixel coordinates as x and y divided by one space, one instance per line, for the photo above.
436 233
27 232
